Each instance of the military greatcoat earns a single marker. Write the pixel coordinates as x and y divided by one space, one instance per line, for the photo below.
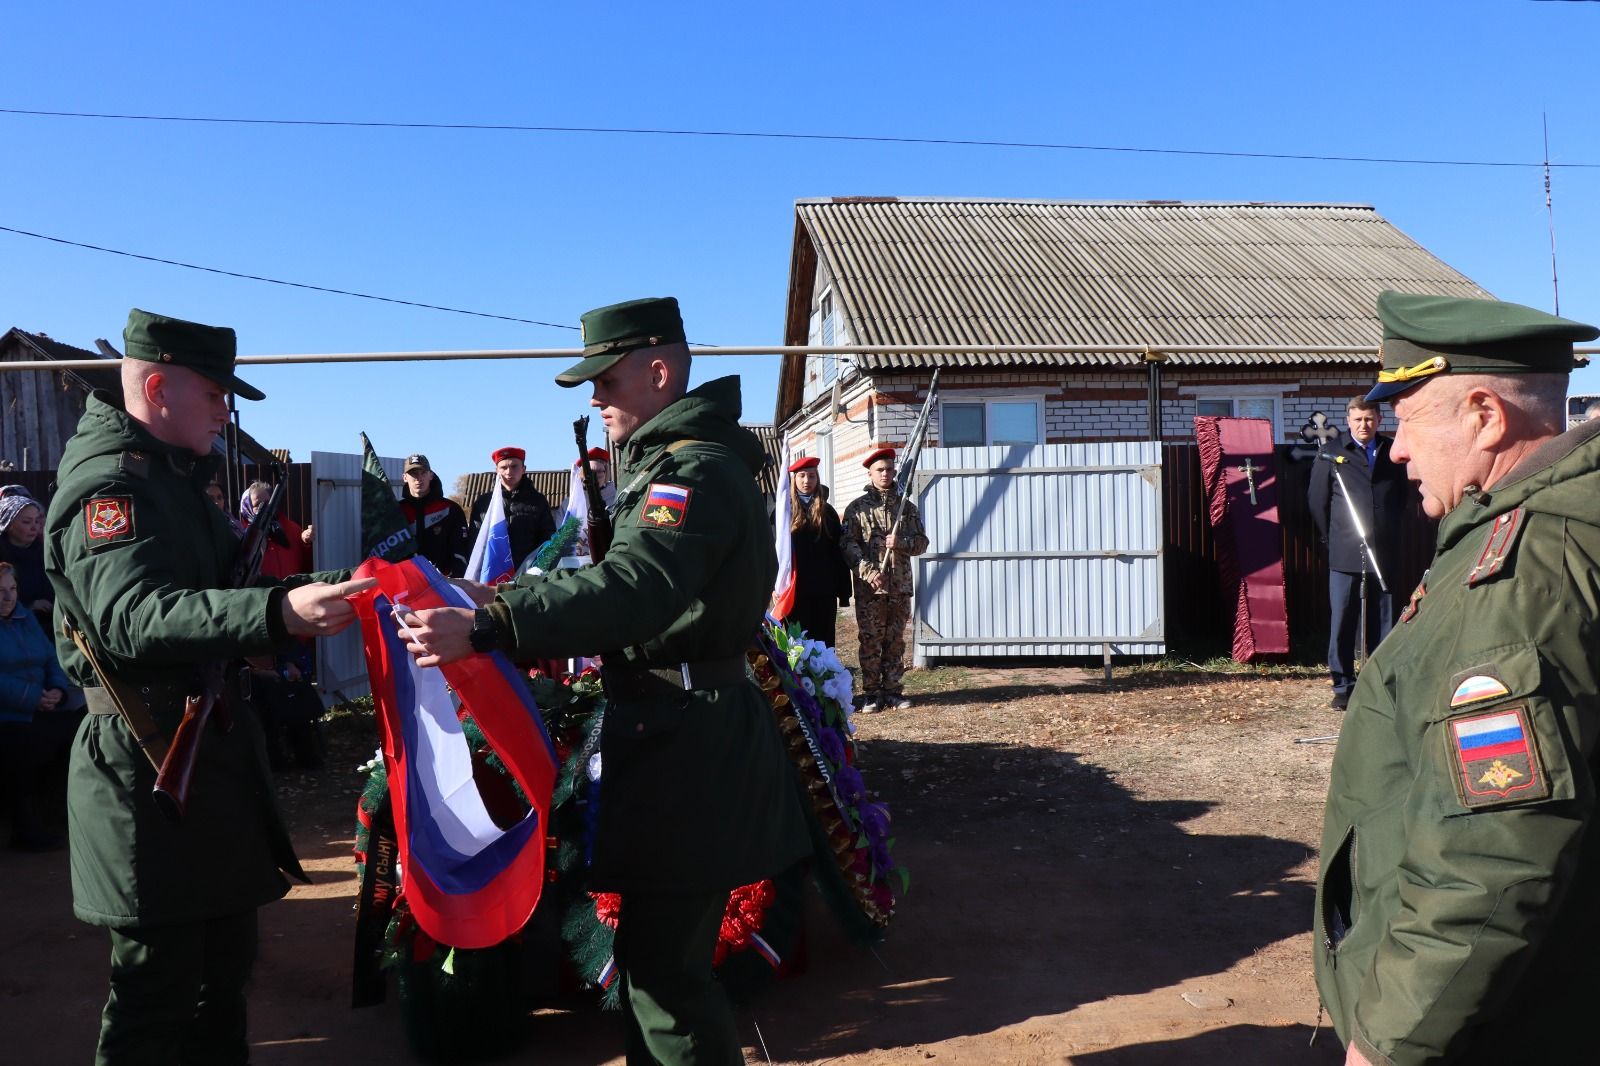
140 558
697 794
1456 914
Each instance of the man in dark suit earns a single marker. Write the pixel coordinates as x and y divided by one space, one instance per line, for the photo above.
1379 491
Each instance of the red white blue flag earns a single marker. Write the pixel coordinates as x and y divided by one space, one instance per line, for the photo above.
469 883
783 587
491 561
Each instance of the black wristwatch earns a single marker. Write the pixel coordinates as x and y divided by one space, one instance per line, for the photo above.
484 637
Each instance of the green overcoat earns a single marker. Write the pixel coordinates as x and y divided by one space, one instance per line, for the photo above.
139 558
1456 915
697 794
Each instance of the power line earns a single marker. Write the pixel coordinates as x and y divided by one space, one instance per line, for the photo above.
767 135
280 281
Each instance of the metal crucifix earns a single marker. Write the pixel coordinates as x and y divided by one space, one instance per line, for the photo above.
1249 470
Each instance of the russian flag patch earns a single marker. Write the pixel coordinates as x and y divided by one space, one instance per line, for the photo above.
1496 759
665 506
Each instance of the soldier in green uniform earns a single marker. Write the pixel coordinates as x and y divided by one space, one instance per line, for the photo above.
696 794
1456 916
140 560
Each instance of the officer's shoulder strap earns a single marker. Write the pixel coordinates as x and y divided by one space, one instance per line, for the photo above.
134 464
1497 548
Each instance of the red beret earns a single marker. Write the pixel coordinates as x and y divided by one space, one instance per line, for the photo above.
881 453
805 462
502 454
599 455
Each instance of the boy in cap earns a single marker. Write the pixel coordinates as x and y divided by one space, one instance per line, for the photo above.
438 525
140 560
697 795
879 552
1455 917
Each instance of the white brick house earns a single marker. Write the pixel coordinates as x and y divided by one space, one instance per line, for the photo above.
1152 275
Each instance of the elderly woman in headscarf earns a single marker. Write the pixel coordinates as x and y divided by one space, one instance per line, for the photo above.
21 522
288 549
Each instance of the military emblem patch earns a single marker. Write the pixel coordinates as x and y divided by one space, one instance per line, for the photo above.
1478 687
666 506
1496 759
107 519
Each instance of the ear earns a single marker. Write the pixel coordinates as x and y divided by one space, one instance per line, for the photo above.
155 389
1486 418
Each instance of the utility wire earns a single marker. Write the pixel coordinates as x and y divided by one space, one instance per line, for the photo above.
767 135
280 281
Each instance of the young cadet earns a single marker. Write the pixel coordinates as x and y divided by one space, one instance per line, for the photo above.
141 560
1456 917
696 795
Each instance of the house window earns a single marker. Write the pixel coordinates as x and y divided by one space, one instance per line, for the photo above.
830 333
980 422
1239 407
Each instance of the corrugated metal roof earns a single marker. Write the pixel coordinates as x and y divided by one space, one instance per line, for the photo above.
926 271
554 484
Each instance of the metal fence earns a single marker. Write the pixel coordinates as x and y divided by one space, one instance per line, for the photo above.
1050 550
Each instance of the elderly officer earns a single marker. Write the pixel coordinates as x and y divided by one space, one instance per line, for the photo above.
879 551
140 561
1456 917
696 796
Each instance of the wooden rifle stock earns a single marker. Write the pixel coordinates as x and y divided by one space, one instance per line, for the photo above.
599 518
176 774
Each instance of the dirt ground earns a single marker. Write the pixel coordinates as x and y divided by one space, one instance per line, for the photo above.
1102 874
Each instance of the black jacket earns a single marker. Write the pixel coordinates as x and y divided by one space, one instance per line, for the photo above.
1381 497
440 528
821 578
527 514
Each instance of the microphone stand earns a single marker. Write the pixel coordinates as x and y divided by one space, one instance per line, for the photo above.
1365 546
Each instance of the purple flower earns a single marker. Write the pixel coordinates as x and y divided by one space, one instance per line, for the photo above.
851 788
832 747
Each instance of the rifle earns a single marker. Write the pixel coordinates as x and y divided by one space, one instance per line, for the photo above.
908 465
599 518
176 772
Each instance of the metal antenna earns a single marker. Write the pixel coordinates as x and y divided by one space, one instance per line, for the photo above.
1549 211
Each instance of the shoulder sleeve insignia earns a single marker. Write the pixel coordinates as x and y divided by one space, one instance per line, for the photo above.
1477 687
666 506
1497 549
108 519
1496 759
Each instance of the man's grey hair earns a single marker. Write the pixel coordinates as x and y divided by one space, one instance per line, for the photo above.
1592 412
1541 399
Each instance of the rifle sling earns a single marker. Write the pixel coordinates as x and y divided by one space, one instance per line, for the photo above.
107 699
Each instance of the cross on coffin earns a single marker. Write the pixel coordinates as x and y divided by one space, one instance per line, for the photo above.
1249 470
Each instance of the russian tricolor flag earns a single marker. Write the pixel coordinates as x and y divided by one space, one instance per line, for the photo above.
491 561
469 883
783 587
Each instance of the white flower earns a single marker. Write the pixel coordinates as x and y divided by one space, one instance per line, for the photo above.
594 767
809 685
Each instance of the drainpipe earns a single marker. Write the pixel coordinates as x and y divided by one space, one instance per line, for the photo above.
1152 361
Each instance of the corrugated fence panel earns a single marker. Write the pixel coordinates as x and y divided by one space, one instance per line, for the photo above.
1040 551
336 495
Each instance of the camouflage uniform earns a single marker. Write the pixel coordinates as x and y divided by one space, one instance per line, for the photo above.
881 617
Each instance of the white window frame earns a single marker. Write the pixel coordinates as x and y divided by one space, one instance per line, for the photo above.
1278 394
828 309
987 399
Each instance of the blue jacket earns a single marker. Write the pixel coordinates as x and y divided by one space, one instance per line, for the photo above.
27 666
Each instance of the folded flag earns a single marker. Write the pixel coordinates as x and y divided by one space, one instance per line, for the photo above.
470 884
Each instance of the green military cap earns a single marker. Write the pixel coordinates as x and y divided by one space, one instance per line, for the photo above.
1428 335
611 332
208 350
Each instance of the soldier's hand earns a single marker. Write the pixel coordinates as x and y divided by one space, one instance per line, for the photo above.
320 609
50 698
439 635
1354 1057
482 595
891 542
877 582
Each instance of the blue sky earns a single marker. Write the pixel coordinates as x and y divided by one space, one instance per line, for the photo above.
545 226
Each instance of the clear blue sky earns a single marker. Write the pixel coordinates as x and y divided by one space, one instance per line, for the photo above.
545 226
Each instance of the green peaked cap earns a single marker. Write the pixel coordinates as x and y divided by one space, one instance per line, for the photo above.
208 350
1428 335
611 332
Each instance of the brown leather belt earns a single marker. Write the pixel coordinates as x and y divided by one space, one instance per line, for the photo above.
635 683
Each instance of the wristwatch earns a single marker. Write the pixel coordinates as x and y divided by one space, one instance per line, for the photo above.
484 637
